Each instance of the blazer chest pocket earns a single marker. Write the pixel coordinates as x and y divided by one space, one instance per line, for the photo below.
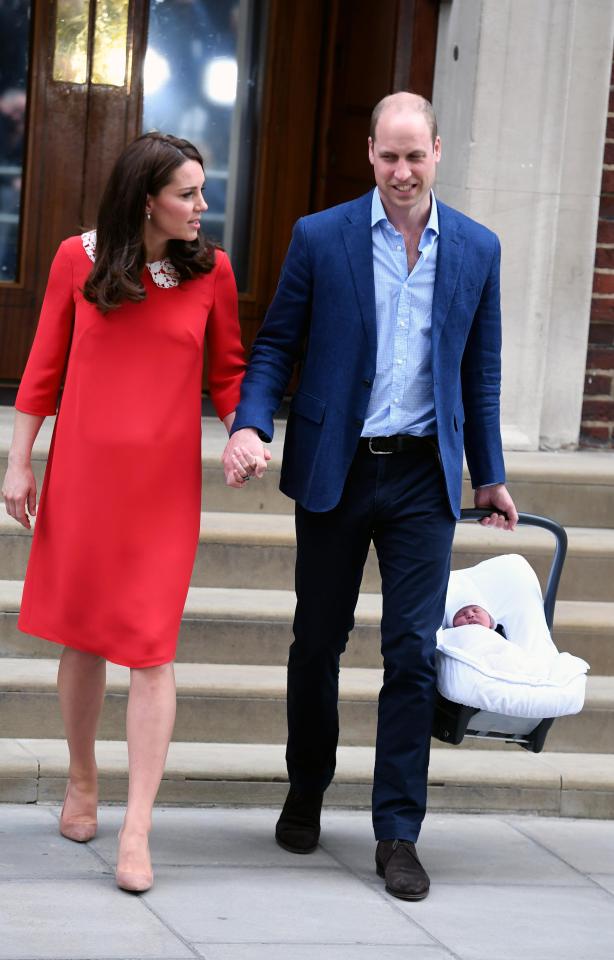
309 407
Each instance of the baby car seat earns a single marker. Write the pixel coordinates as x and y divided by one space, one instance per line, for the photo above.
453 721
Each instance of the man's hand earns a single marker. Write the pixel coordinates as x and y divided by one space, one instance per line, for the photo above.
245 456
496 497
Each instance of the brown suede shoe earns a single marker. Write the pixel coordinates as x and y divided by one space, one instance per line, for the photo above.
397 861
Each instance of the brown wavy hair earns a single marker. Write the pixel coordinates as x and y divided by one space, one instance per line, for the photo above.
144 167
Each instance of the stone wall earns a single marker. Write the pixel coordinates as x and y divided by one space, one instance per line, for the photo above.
521 93
598 408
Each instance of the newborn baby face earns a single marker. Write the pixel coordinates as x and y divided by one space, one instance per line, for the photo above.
471 615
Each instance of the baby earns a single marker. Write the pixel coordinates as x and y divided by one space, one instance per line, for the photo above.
471 615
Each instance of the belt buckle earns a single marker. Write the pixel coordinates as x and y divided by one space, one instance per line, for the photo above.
378 453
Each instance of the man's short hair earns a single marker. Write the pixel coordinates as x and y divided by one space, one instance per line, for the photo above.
421 104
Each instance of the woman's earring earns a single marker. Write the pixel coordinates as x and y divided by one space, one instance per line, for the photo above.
148 215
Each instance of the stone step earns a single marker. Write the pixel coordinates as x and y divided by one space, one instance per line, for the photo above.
228 625
574 487
586 629
509 780
219 625
250 550
246 703
258 550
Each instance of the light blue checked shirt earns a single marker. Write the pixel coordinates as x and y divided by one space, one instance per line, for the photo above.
402 399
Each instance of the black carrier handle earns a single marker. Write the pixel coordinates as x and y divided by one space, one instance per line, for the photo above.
558 559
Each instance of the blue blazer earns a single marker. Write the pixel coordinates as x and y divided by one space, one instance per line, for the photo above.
324 312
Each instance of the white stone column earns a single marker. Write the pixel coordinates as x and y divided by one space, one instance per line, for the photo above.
521 93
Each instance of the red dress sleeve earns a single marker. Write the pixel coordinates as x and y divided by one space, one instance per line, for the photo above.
224 348
40 384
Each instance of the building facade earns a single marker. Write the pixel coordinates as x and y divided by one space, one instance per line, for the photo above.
278 97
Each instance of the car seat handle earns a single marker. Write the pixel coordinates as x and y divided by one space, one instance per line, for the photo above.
558 559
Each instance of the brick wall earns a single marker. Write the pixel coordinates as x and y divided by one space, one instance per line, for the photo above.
597 428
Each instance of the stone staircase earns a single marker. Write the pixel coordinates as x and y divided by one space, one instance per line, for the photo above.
233 646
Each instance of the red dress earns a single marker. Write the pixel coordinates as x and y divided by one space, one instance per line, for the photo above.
119 514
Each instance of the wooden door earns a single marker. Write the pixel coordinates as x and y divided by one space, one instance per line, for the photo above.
373 49
79 115
328 63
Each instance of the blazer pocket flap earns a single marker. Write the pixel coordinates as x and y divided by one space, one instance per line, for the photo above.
470 292
309 407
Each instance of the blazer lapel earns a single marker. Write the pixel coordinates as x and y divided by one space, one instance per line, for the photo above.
356 230
449 261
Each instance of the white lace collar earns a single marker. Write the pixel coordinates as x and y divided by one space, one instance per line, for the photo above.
162 272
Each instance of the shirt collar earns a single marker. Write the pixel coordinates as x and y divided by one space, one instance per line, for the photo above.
377 209
378 214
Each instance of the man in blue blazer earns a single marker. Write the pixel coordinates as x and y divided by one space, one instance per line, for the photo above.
392 303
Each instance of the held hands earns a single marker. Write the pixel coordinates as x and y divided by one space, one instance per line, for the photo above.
244 457
498 498
19 490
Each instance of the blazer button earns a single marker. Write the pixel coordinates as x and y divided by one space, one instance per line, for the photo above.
366 382
358 421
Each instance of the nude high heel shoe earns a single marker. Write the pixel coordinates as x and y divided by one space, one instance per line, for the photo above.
133 881
78 829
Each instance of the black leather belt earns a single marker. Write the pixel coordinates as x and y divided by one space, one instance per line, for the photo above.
399 443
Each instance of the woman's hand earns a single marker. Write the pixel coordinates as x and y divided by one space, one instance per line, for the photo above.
19 487
245 457
19 492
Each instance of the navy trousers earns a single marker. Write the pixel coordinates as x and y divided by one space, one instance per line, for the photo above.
399 503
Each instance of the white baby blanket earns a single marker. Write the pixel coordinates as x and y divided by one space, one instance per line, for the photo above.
521 676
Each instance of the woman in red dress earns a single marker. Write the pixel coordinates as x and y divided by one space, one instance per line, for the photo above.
126 315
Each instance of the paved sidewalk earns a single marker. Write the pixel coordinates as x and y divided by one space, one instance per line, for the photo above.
504 888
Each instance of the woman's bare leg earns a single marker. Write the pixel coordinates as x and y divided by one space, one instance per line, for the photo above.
81 686
149 726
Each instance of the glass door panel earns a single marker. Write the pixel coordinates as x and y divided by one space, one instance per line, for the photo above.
110 43
71 40
14 48
200 80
